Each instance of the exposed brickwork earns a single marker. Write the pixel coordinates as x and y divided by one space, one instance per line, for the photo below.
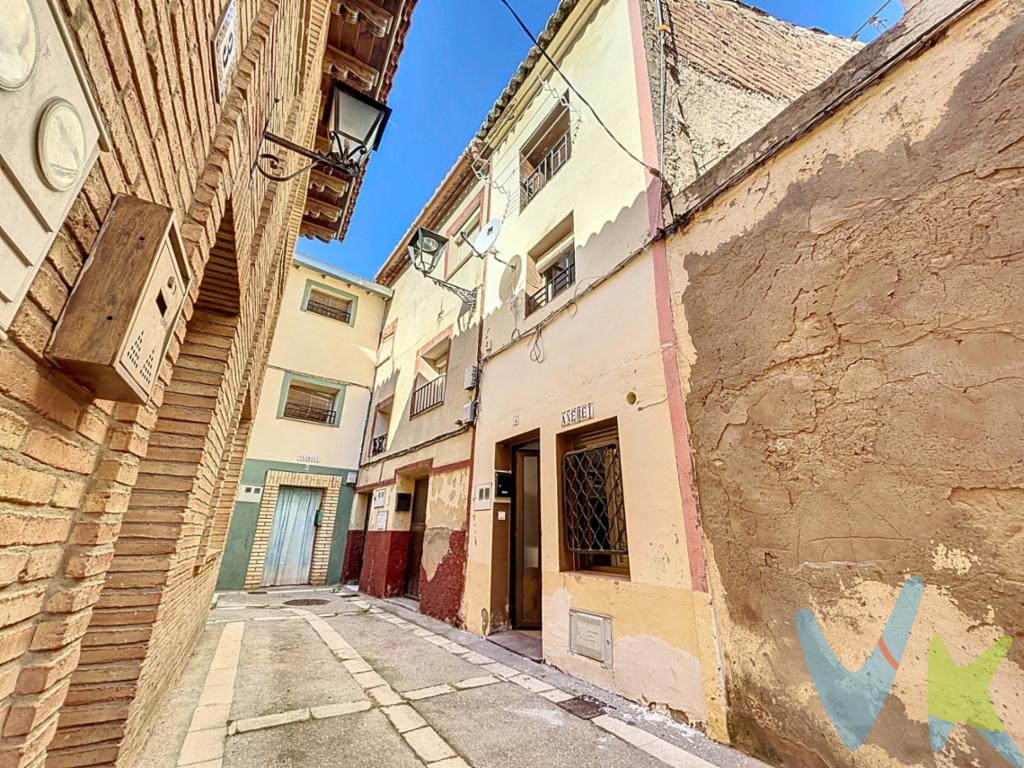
111 516
749 48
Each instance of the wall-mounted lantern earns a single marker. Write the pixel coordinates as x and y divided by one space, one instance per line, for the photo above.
355 124
425 252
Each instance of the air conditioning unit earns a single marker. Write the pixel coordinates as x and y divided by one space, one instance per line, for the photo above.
468 413
472 377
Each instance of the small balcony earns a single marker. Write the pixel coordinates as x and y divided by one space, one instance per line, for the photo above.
427 396
378 444
559 282
535 178
327 310
310 413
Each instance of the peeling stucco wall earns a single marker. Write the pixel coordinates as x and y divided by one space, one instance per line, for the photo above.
851 322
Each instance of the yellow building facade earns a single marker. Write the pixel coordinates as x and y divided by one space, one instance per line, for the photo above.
297 479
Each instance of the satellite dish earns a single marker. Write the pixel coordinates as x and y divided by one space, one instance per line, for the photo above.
487 237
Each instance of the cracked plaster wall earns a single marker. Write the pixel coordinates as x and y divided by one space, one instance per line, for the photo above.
851 328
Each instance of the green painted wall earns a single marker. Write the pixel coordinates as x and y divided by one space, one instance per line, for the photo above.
242 530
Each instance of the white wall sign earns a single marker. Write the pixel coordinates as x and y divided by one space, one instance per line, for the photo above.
225 47
482 496
252 493
380 497
382 520
578 414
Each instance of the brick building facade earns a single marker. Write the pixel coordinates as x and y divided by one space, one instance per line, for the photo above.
113 515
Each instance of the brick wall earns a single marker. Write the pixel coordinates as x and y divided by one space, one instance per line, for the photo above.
103 506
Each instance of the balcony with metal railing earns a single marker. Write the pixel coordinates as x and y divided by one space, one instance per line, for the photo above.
558 283
310 413
327 310
427 396
536 178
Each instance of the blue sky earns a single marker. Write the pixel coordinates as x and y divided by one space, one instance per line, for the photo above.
458 56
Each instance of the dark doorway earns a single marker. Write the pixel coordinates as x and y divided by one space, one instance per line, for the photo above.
526 590
417 530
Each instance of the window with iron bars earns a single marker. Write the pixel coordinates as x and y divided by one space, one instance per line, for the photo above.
594 508
309 404
328 305
557 278
544 154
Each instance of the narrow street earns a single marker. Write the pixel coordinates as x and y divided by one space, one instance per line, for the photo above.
311 677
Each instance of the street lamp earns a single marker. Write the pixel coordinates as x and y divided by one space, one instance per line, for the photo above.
425 252
355 124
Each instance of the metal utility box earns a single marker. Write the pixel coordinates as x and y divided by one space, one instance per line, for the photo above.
118 322
503 482
590 635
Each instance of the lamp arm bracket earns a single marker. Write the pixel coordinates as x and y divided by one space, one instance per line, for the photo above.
467 296
345 167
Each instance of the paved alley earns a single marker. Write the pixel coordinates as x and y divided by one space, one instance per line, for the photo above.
310 677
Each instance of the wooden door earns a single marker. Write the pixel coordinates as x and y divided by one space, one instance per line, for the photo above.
526 541
417 530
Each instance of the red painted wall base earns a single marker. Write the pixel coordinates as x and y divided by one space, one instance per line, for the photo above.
353 562
441 596
384 558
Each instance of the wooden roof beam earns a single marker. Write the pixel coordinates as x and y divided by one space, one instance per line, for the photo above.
319 210
311 229
350 70
371 16
320 180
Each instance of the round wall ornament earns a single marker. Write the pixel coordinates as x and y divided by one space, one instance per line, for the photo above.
19 43
60 143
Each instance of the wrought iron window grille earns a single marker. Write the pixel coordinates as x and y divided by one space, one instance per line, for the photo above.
378 444
327 310
595 512
310 413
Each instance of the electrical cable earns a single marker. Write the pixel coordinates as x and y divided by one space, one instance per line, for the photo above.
650 169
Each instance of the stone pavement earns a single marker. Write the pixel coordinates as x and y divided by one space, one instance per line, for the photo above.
309 677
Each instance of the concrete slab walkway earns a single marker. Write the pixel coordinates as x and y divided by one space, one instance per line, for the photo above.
304 678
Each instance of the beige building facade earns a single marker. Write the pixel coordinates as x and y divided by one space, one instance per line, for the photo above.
593 541
290 519
408 531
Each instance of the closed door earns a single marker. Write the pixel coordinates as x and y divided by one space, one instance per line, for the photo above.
290 550
526 583
417 530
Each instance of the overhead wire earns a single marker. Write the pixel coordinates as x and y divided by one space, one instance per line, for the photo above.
650 169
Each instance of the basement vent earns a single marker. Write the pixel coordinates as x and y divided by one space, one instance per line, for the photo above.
590 635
